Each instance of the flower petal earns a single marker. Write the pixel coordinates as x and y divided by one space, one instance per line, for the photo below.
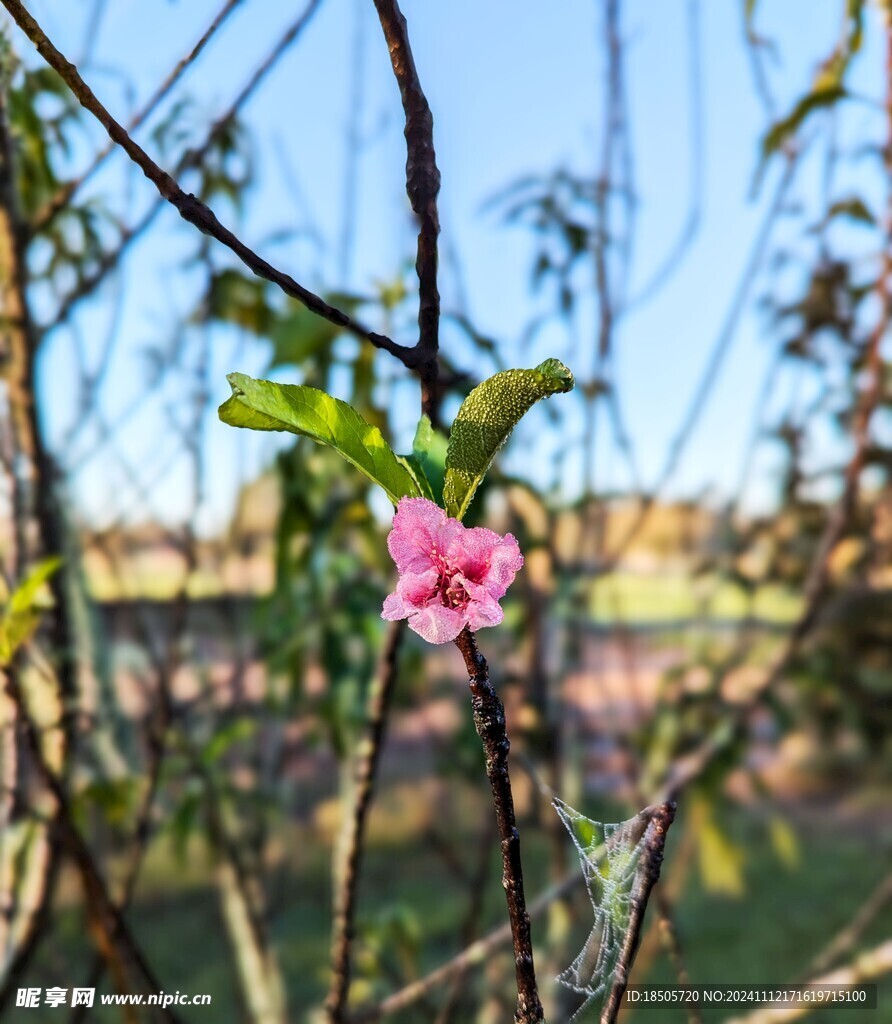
394 608
416 589
438 624
470 551
504 564
483 609
416 532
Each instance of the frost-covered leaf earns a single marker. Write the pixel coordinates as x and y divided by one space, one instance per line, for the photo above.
485 420
265 405
620 864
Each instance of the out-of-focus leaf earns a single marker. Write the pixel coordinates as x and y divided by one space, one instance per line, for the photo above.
853 208
721 859
240 299
782 131
485 420
265 405
232 733
22 612
116 798
184 821
784 842
300 336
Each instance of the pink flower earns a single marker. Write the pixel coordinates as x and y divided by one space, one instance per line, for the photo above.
450 576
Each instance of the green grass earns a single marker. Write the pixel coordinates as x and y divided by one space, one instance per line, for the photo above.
413 905
630 597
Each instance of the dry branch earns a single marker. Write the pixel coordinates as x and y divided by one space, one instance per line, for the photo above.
352 840
489 719
189 207
422 186
59 201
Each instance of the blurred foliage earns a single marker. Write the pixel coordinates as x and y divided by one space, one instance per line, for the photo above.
192 752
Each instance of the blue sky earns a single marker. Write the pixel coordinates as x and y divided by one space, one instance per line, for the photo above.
516 88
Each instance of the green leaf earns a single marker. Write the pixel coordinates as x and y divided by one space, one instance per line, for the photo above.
783 130
416 470
721 859
237 731
22 613
300 336
784 842
429 449
484 421
265 405
853 208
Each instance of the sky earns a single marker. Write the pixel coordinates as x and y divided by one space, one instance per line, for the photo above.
516 88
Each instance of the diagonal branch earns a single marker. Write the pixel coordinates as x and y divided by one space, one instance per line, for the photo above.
113 933
191 159
818 580
478 952
422 186
61 199
352 840
189 207
489 719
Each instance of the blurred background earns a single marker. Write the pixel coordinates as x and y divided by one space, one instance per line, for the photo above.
688 203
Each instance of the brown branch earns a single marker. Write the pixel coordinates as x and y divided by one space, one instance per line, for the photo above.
470 925
33 485
672 944
422 186
189 207
191 159
658 821
817 582
872 964
112 931
849 936
489 720
717 356
477 953
60 200
352 840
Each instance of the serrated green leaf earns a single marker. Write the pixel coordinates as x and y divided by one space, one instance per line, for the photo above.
265 405
485 420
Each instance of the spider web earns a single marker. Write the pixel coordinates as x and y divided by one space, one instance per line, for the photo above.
613 865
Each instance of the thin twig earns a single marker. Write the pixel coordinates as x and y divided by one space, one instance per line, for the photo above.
60 200
352 842
113 933
422 186
489 719
191 208
716 358
477 953
879 897
659 820
873 964
190 160
818 578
